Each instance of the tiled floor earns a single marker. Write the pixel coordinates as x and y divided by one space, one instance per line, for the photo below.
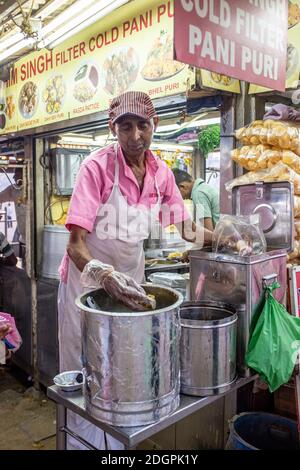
27 417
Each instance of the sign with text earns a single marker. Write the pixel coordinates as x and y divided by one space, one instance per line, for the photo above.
245 40
293 51
129 50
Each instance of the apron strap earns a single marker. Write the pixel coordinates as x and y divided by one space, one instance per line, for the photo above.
157 190
116 179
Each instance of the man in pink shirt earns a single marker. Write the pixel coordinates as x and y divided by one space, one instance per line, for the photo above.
120 191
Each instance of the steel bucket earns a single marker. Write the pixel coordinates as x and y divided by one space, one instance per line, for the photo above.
207 347
262 431
131 359
55 240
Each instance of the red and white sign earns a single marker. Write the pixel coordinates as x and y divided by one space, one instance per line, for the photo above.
244 39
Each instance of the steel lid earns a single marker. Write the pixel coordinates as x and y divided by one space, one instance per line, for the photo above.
274 203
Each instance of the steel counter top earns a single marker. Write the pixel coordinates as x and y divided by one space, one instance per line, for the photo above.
132 436
167 267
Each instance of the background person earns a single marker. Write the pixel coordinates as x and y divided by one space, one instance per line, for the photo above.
205 198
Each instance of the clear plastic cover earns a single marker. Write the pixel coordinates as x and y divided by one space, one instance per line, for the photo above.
119 286
239 235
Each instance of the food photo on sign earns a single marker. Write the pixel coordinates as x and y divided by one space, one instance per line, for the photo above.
119 70
219 81
160 63
28 99
54 93
85 83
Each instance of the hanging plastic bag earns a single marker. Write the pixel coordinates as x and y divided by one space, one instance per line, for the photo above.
274 341
239 235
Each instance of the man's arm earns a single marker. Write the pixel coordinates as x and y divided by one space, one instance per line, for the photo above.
208 223
119 286
77 248
193 233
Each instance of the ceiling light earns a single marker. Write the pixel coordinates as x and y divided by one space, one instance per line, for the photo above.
48 9
182 126
13 39
91 15
172 147
205 122
169 127
17 47
88 17
75 9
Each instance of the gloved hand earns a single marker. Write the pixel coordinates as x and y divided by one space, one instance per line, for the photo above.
119 286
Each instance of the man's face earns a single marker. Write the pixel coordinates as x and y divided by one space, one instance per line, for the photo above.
185 189
134 134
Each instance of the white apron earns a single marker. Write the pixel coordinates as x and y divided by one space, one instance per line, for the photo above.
131 225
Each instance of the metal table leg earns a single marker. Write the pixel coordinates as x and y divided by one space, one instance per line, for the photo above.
61 422
297 390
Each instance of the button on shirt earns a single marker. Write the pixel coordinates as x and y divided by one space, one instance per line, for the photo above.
95 181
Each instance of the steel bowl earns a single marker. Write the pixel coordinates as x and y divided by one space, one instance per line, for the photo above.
69 381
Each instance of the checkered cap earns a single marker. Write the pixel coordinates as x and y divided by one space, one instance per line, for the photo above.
134 103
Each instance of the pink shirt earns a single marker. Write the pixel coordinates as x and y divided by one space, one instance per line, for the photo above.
95 181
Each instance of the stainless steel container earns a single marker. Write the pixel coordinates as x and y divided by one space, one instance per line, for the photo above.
274 202
131 359
238 280
55 240
207 348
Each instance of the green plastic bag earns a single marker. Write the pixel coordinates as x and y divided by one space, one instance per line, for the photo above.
274 341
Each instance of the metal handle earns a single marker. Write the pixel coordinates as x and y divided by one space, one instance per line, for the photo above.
80 439
269 279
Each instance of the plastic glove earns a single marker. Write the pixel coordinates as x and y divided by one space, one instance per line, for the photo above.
124 289
94 272
119 287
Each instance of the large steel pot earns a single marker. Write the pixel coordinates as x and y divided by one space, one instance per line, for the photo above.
55 240
207 347
131 359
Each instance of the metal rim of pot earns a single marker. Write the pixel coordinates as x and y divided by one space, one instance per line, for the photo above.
208 324
145 313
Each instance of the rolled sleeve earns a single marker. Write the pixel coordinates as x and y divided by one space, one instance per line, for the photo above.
86 198
173 210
